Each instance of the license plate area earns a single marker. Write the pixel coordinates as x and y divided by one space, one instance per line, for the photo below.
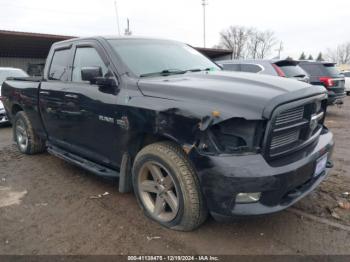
321 164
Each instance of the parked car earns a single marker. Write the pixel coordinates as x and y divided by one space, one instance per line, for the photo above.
346 75
327 75
6 72
284 68
184 135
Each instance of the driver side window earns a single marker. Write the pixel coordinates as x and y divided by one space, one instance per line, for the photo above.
86 57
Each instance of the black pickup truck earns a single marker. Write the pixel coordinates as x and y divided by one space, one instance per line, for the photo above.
188 138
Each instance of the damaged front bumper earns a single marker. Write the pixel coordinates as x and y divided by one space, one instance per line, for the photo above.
281 184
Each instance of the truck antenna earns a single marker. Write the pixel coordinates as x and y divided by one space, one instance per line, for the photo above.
117 16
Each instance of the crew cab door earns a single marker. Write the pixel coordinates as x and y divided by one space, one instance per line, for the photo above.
51 94
91 109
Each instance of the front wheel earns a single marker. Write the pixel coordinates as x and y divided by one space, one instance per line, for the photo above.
27 140
167 188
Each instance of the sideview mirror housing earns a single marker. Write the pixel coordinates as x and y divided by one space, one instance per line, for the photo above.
91 74
105 82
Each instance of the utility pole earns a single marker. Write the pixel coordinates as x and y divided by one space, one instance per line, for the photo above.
117 16
204 3
127 30
279 50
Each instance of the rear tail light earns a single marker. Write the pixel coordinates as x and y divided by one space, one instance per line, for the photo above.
327 81
279 70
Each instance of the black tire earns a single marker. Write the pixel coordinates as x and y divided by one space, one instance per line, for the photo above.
192 211
348 93
34 144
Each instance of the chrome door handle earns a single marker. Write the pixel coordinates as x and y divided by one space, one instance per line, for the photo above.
44 92
71 95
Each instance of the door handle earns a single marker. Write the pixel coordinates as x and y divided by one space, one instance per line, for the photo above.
71 96
44 92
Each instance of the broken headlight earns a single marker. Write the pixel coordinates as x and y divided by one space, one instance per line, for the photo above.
233 136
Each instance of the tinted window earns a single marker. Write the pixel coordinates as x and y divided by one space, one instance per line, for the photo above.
332 70
313 69
293 71
347 74
321 69
250 68
151 56
59 65
231 67
11 73
86 57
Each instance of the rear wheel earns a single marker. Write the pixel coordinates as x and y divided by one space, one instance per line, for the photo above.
27 140
167 187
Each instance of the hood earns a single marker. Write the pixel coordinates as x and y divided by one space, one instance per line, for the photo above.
232 93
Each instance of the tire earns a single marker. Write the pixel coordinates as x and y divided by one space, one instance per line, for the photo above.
185 213
25 137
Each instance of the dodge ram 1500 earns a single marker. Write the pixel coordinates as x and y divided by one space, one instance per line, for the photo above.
188 138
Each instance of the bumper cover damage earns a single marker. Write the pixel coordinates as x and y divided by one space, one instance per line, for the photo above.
280 184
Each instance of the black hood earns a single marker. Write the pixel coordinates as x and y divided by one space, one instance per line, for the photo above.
233 94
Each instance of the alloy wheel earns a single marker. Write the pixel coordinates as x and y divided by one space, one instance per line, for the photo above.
158 192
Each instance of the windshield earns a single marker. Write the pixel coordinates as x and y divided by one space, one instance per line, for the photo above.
11 73
145 57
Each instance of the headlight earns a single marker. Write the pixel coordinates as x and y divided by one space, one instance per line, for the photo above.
233 136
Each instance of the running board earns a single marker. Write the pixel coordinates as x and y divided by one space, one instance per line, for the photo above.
79 161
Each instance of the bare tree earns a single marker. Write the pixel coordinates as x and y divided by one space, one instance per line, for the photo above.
247 42
267 41
253 44
235 38
339 55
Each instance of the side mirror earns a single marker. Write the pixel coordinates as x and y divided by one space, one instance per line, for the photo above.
105 82
91 74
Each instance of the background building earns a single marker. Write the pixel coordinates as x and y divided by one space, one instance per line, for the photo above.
28 51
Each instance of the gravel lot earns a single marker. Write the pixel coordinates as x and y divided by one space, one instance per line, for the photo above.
46 208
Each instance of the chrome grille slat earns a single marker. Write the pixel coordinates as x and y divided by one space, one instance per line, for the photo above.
290 115
285 139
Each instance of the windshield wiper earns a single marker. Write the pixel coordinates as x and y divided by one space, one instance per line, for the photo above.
198 69
165 72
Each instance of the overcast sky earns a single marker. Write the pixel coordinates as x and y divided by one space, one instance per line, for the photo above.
303 25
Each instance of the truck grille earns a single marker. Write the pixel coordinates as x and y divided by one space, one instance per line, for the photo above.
295 127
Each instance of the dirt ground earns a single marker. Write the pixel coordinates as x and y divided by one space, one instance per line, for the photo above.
46 208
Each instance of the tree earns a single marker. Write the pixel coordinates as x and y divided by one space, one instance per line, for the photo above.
267 41
310 57
247 42
319 57
339 55
302 56
235 38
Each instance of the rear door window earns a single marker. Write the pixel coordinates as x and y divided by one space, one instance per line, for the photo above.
59 65
251 68
231 67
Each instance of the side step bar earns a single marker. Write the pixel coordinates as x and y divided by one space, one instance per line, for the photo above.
86 164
